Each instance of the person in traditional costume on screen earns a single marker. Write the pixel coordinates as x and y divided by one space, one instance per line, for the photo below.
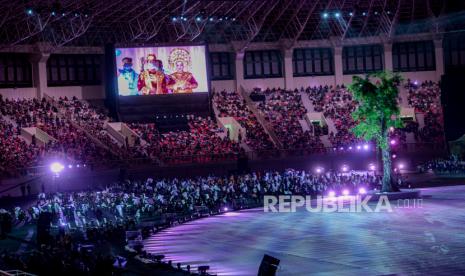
152 79
127 78
181 81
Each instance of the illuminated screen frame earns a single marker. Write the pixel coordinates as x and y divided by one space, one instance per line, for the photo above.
118 65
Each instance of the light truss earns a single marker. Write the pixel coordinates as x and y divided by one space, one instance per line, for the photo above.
96 22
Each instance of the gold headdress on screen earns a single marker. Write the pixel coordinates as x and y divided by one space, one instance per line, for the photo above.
151 57
179 54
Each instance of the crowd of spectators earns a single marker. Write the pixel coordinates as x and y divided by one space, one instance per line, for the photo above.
452 165
201 143
15 153
68 141
425 98
129 200
79 131
338 106
230 104
284 110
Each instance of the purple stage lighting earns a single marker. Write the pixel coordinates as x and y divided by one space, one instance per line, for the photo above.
362 191
345 192
401 166
393 142
70 166
345 168
331 194
56 167
372 167
366 147
359 147
225 209
319 170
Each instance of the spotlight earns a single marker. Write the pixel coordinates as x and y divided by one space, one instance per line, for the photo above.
350 148
319 170
337 15
325 15
364 13
351 13
366 147
29 11
225 209
401 166
415 82
56 167
341 148
234 19
53 13
184 19
362 191
198 18
331 194
391 129
77 166
393 142
174 19
394 156
76 15
345 192
372 167
210 19
70 166
344 168
359 147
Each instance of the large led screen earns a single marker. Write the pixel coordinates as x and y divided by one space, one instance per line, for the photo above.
161 70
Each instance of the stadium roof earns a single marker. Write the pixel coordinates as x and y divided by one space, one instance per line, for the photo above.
96 22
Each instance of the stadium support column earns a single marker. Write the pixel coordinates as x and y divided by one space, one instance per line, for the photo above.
439 54
338 74
388 57
39 72
288 74
239 69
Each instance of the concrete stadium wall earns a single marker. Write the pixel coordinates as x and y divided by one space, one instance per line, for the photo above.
18 93
288 81
220 85
81 92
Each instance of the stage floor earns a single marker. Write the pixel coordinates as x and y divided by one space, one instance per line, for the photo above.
424 241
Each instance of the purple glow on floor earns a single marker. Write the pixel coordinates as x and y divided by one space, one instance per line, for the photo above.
427 240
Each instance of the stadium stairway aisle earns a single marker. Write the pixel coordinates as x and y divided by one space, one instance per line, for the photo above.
306 102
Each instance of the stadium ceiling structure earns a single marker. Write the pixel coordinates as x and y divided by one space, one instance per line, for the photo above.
96 22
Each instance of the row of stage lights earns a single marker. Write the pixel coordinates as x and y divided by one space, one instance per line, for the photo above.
57 167
358 147
201 18
371 167
366 147
31 12
346 192
337 14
